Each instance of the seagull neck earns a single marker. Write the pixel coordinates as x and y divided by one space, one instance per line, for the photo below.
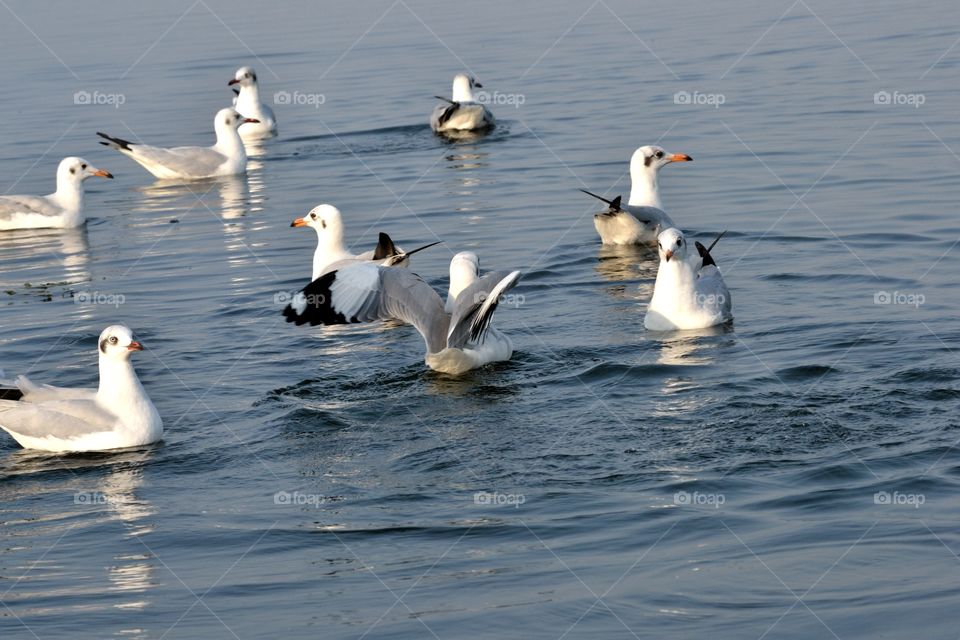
69 195
118 382
327 253
645 191
230 144
248 99
463 94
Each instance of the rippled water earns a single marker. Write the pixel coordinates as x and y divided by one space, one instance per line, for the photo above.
793 476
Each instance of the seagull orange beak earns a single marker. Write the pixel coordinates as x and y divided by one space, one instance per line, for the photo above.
250 120
668 255
103 173
134 346
299 222
234 81
680 157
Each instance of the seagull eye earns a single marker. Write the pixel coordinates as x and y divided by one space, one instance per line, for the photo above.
83 166
659 154
113 339
313 215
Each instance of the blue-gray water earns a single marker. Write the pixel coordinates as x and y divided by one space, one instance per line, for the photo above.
794 477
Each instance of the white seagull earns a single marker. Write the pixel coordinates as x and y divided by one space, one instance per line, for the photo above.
331 251
464 112
689 292
458 336
248 103
642 220
118 414
226 158
62 209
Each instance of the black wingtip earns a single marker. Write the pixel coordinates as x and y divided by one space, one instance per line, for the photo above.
385 248
123 144
317 301
10 394
426 246
707 259
716 240
613 204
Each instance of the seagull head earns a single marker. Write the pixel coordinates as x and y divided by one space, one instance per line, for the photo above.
229 119
645 164
463 86
672 245
325 220
117 343
76 170
245 77
652 158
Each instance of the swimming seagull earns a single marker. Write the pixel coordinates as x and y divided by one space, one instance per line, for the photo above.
464 112
689 292
248 103
226 158
62 209
118 414
643 218
458 337
327 221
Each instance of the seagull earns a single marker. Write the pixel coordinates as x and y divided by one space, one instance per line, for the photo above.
118 414
643 218
464 112
226 158
327 221
248 103
689 292
62 209
458 336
